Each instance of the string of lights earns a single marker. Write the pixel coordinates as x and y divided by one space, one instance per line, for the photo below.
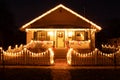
91 54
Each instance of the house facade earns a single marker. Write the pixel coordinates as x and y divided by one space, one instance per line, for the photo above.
64 27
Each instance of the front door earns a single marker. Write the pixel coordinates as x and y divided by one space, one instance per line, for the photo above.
60 39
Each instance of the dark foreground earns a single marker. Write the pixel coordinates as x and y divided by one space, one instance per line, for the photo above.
64 73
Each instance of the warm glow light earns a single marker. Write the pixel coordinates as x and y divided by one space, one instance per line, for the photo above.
50 33
80 44
106 54
56 29
32 42
9 48
69 56
10 54
1 49
84 54
109 46
70 34
16 46
51 56
61 6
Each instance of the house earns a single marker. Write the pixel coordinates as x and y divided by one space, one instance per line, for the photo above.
64 27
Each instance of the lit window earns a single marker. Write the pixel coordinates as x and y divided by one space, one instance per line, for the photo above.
40 35
81 35
70 34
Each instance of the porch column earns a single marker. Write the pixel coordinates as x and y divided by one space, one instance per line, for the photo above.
92 40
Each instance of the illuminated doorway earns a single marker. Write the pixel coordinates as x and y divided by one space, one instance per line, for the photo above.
60 39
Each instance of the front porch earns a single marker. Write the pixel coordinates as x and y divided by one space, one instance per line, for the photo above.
64 38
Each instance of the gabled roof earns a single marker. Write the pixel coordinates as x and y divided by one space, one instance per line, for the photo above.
55 8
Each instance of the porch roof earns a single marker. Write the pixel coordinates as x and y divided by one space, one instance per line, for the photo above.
58 17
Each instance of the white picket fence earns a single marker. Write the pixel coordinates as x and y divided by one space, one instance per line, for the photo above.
22 56
26 57
95 57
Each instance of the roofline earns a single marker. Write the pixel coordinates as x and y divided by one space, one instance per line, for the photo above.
50 29
53 9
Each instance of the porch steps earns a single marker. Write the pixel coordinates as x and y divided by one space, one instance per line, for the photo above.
60 53
60 62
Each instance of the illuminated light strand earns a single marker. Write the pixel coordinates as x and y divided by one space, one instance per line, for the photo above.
93 53
118 51
12 54
56 29
109 46
39 42
37 54
27 51
84 54
51 56
106 54
48 12
16 49
69 57
79 42
33 54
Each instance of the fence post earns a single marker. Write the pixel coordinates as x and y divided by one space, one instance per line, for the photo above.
2 57
96 62
25 55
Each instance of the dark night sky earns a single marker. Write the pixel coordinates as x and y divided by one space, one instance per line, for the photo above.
105 13
98 11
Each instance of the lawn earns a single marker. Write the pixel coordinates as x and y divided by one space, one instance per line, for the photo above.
59 74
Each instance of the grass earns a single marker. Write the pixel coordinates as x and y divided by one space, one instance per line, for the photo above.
59 74
95 74
25 74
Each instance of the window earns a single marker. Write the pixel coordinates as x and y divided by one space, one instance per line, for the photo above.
40 35
81 35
